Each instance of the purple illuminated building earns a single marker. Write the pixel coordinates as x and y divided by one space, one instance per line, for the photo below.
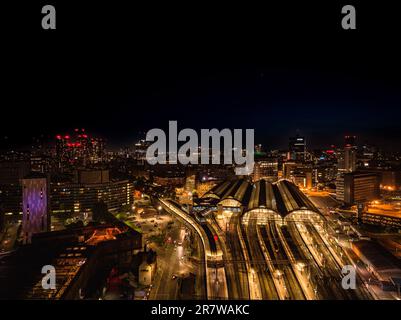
35 206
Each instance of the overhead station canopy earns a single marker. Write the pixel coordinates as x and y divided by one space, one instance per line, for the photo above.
282 197
239 190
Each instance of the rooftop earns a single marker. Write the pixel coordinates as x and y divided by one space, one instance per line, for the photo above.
282 197
69 251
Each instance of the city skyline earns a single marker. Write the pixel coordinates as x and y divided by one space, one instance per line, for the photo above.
114 145
325 86
295 194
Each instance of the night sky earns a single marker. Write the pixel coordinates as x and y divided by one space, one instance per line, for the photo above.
280 71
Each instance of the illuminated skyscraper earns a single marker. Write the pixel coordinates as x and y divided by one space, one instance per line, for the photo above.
349 141
347 156
297 148
79 148
35 208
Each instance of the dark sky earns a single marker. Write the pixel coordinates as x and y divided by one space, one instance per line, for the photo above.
279 70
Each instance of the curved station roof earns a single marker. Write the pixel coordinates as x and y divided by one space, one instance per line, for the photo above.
282 197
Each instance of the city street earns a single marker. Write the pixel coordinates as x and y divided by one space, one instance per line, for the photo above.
172 265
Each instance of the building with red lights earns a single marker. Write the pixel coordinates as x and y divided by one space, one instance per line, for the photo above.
79 148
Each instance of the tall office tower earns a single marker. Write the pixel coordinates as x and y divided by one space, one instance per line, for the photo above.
347 156
346 160
350 159
35 205
297 148
349 141
140 149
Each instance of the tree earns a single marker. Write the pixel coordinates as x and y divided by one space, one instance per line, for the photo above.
126 208
121 216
